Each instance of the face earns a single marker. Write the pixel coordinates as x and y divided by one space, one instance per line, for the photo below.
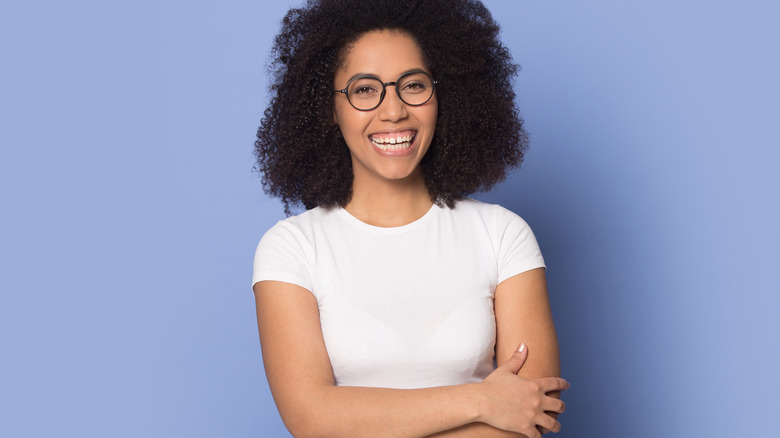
388 142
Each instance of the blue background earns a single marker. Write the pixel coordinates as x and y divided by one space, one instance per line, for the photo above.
131 214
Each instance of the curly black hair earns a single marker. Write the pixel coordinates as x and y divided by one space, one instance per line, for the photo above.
479 133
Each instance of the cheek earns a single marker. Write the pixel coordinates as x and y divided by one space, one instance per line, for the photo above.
351 121
338 113
353 125
433 116
433 111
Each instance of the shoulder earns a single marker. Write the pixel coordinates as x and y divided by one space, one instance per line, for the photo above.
506 230
469 207
291 235
285 252
308 217
301 225
302 233
493 215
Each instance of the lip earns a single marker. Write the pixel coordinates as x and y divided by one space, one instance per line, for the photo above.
411 131
395 153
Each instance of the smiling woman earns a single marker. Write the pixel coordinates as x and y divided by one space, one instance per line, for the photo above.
388 141
384 309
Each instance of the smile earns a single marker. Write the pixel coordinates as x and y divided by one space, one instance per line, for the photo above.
393 141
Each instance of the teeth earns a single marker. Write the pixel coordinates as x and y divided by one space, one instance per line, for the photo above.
393 147
393 143
392 140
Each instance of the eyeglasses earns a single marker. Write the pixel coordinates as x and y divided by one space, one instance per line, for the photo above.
367 92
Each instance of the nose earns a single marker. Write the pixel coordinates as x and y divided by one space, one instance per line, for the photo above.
392 107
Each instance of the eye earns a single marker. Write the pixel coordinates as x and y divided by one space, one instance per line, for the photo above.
414 87
365 89
414 83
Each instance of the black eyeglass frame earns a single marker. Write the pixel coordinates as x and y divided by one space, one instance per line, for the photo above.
384 89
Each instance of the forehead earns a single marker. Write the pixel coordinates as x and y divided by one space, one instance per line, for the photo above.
384 53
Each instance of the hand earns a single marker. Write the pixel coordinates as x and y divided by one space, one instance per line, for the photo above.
517 404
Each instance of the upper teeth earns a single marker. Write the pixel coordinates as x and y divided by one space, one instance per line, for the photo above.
392 140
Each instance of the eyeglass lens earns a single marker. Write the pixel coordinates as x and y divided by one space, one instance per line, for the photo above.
367 93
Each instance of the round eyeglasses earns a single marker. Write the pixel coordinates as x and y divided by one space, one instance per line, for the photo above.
367 92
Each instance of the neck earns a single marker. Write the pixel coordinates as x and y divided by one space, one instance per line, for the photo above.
389 203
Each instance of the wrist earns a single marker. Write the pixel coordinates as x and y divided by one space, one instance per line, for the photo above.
476 402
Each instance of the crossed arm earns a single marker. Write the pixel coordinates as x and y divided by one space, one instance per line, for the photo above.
301 378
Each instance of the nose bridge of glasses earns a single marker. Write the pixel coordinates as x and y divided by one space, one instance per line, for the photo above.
391 105
397 90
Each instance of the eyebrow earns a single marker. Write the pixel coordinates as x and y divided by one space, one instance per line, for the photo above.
373 76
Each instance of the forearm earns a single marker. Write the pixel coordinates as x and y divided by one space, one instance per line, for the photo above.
301 380
474 430
355 411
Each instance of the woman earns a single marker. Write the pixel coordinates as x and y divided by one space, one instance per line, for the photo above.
382 308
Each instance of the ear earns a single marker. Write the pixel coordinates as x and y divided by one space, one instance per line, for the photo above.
335 117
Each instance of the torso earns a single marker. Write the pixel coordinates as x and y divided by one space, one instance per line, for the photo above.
409 306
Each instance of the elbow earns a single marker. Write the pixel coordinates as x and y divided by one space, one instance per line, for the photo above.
299 426
308 431
305 424
310 414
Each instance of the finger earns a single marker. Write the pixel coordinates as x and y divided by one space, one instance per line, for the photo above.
517 360
549 384
550 404
532 432
548 422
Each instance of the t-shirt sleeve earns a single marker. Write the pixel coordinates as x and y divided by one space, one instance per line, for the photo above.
518 250
281 256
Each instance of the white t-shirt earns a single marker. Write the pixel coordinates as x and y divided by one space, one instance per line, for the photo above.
403 307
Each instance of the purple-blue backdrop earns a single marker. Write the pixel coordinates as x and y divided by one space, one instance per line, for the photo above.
131 213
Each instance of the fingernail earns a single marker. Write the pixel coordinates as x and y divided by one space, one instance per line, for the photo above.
521 348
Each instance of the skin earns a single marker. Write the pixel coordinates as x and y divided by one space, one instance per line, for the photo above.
389 191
